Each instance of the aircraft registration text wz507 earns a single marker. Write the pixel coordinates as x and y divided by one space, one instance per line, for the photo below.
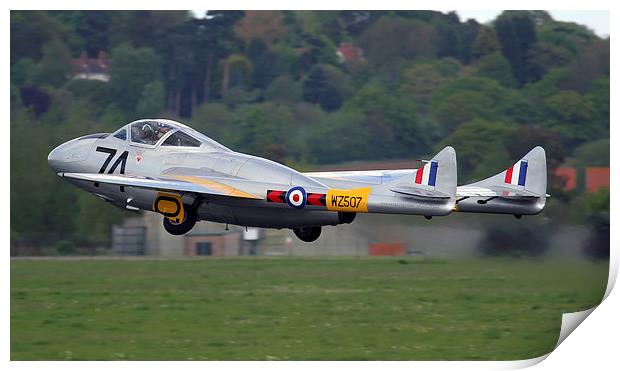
346 201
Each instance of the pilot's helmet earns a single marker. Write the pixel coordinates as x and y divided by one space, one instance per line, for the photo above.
147 131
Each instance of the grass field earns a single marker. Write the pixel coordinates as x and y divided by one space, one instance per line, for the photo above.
295 309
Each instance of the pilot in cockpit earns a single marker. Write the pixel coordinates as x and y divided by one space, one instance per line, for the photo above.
146 133
160 131
150 135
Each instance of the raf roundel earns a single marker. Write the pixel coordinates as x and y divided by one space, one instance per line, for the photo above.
296 197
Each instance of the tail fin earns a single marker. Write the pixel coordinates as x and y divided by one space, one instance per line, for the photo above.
436 179
446 171
529 174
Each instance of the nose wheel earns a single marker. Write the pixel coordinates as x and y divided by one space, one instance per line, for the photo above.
307 234
177 229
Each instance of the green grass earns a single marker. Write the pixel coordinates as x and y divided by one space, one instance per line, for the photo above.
295 309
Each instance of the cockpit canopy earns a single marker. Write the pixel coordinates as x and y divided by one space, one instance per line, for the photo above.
167 134
149 132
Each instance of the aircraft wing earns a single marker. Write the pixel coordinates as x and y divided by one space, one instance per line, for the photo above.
365 176
179 183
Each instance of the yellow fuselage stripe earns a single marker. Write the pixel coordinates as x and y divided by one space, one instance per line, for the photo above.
216 186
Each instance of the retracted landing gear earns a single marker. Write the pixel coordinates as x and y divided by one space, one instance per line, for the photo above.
307 234
189 220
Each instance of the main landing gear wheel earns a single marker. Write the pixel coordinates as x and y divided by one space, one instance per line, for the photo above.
177 229
307 234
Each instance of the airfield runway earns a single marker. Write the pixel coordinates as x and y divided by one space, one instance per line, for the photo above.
295 308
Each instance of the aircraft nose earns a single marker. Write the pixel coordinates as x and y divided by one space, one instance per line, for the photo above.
55 159
69 156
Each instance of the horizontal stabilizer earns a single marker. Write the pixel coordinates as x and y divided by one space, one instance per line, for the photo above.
418 192
494 191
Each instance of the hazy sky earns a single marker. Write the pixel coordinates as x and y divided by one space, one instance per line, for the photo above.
596 20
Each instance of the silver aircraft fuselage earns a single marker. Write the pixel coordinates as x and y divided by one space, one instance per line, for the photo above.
236 174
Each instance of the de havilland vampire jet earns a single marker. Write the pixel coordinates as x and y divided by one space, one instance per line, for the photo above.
164 166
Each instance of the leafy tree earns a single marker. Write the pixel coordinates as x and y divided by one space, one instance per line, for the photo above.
341 138
475 141
555 80
34 98
23 71
237 71
592 64
391 122
191 52
16 101
264 130
238 95
599 96
340 79
571 114
496 67
598 201
131 70
30 31
332 28
356 22
468 98
217 121
268 65
55 66
485 43
596 206
34 227
567 35
455 39
65 247
93 28
420 81
152 100
316 49
283 90
595 153
94 91
94 221
516 33
544 56
318 88
86 31
449 67
144 28
388 40
265 25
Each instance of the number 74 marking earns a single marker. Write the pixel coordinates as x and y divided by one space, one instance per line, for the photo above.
121 160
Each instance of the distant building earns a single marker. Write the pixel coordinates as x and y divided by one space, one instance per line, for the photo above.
348 52
85 68
569 177
594 178
597 178
386 249
145 235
